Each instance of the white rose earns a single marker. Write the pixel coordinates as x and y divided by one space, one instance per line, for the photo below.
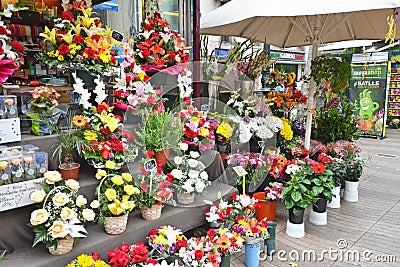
187 186
73 184
178 160
80 201
39 216
38 196
192 163
200 186
67 213
58 229
204 175
52 176
183 146
177 174
60 199
193 174
95 204
194 154
88 214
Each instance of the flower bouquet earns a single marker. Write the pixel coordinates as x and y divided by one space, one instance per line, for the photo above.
130 255
155 191
61 215
226 241
223 133
273 192
200 252
198 131
285 102
244 206
250 228
11 52
85 260
190 177
116 197
78 41
167 240
220 214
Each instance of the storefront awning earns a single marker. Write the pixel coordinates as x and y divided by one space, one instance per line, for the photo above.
108 5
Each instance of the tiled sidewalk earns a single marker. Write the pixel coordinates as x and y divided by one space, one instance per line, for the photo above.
369 228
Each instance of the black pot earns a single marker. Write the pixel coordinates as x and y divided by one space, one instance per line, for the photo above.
246 189
192 148
320 205
342 183
253 143
267 180
296 219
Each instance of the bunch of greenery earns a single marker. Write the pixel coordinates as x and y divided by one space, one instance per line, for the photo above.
336 124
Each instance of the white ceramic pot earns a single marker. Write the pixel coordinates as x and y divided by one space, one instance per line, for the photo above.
351 191
318 218
295 230
335 203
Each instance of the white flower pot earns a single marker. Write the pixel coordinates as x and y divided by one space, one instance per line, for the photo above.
335 203
351 191
295 230
318 218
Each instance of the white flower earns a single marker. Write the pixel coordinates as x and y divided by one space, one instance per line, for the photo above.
95 204
193 174
80 201
293 168
194 154
187 186
177 174
72 184
178 160
245 201
200 186
38 196
192 163
99 90
183 146
204 175
212 217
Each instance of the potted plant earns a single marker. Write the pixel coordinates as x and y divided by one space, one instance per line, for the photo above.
268 201
352 179
61 214
116 197
131 255
155 191
223 133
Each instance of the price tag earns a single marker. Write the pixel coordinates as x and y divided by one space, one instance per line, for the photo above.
205 108
240 171
150 165
117 36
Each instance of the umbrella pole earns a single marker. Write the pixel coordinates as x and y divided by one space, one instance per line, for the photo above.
310 103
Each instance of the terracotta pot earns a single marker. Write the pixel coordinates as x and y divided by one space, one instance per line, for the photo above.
162 156
267 208
69 173
223 157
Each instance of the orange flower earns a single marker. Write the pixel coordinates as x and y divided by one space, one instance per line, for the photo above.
279 101
319 168
79 120
157 49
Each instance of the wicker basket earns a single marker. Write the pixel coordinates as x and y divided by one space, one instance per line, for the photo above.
64 246
115 225
153 213
185 198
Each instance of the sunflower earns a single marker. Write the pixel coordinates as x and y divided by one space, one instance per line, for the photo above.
79 120
273 74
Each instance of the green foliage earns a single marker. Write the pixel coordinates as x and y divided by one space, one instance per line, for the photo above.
336 124
297 194
3 255
354 171
322 184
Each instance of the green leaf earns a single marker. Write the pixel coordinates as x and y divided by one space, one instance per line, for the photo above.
318 189
303 188
296 196
3 255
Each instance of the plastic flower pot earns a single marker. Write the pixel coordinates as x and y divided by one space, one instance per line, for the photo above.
270 242
162 156
225 261
318 214
320 205
296 219
335 203
253 248
267 208
351 191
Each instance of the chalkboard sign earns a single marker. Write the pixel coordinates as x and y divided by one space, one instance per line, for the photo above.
117 36
150 165
205 108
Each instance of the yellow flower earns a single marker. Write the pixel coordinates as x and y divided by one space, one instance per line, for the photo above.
129 189
51 53
104 57
225 130
286 130
101 263
95 204
70 265
80 201
195 119
38 196
127 177
204 132
85 260
90 136
60 58
125 198
110 194
110 164
100 173
128 205
68 37
117 180
72 51
115 209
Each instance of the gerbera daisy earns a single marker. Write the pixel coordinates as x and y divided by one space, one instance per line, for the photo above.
79 120
273 74
224 243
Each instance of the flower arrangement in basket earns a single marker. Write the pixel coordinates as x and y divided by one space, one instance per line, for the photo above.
131 255
85 260
61 215
116 197
11 52
226 241
167 240
223 132
200 252
79 41
154 185
189 174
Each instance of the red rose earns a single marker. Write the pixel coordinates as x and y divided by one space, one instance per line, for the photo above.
125 247
66 15
63 49
234 196
153 232
139 252
90 52
159 170
95 146
97 21
146 53
171 55
318 168
18 46
105 131
79 39
120 259
198 254
211 233
152 261
149 154
148 27
187 99
170 178
111 254
96 37
181 244
95 256
105 153
144 172
3 30
101 108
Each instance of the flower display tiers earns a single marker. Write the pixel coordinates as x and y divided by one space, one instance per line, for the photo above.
17 237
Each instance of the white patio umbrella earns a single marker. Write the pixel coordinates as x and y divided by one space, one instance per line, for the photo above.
287 23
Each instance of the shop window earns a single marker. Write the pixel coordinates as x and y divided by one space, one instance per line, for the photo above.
170 9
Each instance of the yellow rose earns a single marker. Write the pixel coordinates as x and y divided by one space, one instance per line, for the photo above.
39 216
125 198
117 180
88 214
60 199
85 260
80 201
110 164
128 205
95 204
100 174
72 184
58 229
129 189
52 177
111 194
115 209
38 196
67 213
127 177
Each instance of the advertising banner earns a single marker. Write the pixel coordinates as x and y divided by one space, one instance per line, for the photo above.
368 91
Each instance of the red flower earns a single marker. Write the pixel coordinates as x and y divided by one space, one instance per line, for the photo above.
139 252
105 153
1 50
146 53
124 247
211 233
66 15
187 99
96 37
143 171
102 107
181 244
3 30
170 178
90 52
120 259
79 39
318 168
63 49
105 131
143 187
153 261
151 100
127 134
18 46
159 170
198 254
153 232
324 158
171 55
149 154
120 118
95 256
97 21
148 27
234 196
